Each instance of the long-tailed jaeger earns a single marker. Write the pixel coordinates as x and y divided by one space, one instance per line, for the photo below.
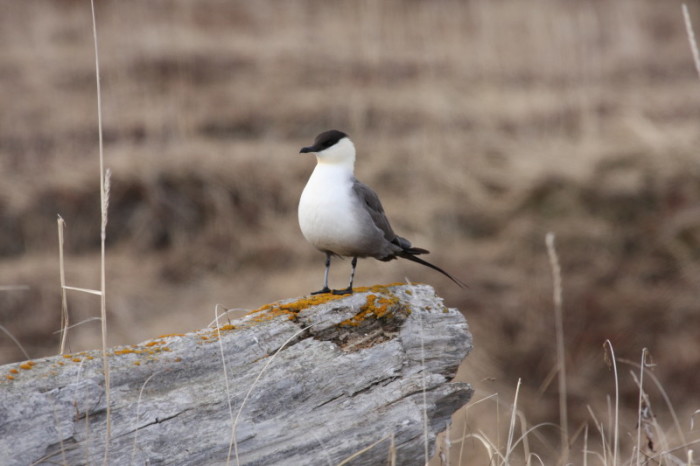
341 216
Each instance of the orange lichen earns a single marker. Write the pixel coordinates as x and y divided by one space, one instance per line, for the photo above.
67 356
137 363
150 348
178 359
228 327
169 335
27 365
14 371
76 359
292 309
10 377
270 311
376 306
378 288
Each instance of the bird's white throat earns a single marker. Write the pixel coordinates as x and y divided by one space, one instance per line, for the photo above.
342 154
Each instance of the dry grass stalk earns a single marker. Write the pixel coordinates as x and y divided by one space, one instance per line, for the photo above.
691 38
561 357
640 406
65 323
616 421
228 387
104 203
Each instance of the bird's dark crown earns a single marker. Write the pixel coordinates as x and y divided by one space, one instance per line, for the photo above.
329 138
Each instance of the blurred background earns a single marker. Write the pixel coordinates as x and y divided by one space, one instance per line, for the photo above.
482 125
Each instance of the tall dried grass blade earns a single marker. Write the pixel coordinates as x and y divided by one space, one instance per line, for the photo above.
104 196
511 428
65 323
639 407
616 422
226 384
667 400
691 38
559 330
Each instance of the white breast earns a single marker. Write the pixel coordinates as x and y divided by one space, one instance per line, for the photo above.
328 215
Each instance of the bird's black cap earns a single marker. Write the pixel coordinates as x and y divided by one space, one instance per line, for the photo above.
324 141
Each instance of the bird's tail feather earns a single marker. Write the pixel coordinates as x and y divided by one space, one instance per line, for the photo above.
410 255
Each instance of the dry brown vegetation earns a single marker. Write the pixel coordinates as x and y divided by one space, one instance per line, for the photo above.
482 125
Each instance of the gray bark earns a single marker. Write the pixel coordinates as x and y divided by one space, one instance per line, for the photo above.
304 382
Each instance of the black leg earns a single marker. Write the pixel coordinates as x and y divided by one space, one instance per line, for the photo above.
348 290
325 276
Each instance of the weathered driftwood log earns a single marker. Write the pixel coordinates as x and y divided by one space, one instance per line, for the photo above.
318 380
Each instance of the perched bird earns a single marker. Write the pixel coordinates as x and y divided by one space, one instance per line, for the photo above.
340 216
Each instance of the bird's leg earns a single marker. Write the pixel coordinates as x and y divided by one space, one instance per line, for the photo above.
325 276
348 290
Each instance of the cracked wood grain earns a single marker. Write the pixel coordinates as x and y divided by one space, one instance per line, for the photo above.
346 373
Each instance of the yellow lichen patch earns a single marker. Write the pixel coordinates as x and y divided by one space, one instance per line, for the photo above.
14 371
292 309
169 335
126 351
76 359
376 306
270 311
155 343
27 365
377 288
67 356
137 363
178 359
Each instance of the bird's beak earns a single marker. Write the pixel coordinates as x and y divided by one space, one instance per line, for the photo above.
306 150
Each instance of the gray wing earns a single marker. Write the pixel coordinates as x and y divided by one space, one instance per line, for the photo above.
371 202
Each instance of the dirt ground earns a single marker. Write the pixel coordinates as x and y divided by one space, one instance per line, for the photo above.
482 125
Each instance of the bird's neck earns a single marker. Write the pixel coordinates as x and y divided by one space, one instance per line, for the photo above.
343 165
331 175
